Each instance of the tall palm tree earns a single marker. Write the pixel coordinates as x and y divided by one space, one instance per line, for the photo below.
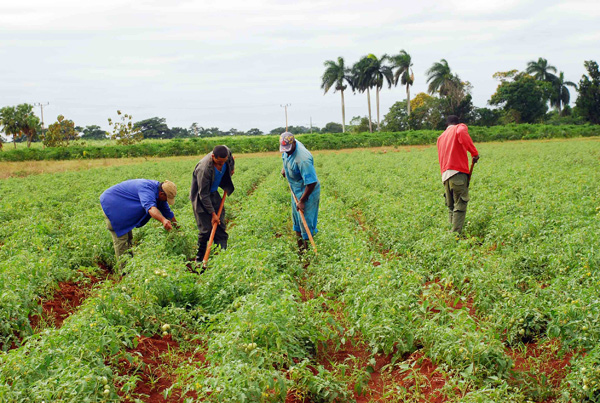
363 79
440 78
562 96
404 73
334 76
541 70
381 73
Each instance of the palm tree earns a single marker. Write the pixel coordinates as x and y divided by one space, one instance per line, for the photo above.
363 79
562 96
381 73
402 63
541 70
440 78
334 76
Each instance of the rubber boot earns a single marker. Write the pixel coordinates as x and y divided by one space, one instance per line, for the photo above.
458 220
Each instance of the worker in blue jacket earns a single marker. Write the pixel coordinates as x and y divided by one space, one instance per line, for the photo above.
131 204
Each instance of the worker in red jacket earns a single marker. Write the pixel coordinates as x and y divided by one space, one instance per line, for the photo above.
452 147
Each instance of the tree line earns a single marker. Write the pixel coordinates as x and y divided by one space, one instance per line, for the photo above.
521 96
22 124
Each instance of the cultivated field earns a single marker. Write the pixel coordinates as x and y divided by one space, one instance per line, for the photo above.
395 308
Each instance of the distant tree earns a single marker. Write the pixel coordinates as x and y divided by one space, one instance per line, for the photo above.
60 133
93 132
561 96
441 79
124 131
335 75
427 112
485 117
370 72
522 97
396 120
333 127
588 101
541 70
404 73
360 124
291 129
179 132
20 121
210 132
154 128
254 132
194 129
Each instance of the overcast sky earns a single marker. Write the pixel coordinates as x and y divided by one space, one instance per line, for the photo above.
232 63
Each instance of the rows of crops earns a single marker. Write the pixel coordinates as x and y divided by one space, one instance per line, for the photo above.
509 312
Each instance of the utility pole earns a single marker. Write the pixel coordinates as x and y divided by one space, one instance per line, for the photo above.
311 125
41 105
286 119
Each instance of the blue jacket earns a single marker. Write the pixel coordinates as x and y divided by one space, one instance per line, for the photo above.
126 204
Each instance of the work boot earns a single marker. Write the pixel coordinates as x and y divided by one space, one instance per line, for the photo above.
458 220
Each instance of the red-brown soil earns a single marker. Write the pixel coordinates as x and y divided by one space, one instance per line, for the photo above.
66 299
155 372
539 360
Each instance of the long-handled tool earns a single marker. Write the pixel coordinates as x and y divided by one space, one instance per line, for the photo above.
471 172
312 241
212 234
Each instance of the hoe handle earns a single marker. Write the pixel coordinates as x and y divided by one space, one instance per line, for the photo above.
212 233
312 241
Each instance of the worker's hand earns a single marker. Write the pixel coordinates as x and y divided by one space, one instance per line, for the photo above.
167 225
175 224
475 159
215 219
300 206
283 172
232 172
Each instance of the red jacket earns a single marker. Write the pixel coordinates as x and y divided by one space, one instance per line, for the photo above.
452 147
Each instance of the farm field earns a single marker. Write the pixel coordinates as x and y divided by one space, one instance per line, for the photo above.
394 308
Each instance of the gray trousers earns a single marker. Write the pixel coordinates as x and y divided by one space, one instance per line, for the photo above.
457 198
204 223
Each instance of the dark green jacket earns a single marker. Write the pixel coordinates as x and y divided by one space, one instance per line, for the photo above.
202 179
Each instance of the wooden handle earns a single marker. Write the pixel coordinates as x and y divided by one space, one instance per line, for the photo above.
312 241
212 233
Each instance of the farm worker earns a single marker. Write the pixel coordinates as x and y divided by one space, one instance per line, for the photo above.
299 169
452 147
132 203
214 171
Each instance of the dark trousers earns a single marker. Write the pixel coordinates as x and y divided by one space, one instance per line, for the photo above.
204 223
457 198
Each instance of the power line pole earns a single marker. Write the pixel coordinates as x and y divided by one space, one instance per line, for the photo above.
311 125
41 105
286 119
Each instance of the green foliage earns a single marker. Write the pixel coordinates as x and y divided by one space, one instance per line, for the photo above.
388 273
522 97
334 141
588 101
332 127
20 121
60 133
124 131
93 132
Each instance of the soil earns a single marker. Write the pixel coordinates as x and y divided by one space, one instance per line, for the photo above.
66 299
156 372
539 360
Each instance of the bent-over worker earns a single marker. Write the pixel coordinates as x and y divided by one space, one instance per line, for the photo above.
131 204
